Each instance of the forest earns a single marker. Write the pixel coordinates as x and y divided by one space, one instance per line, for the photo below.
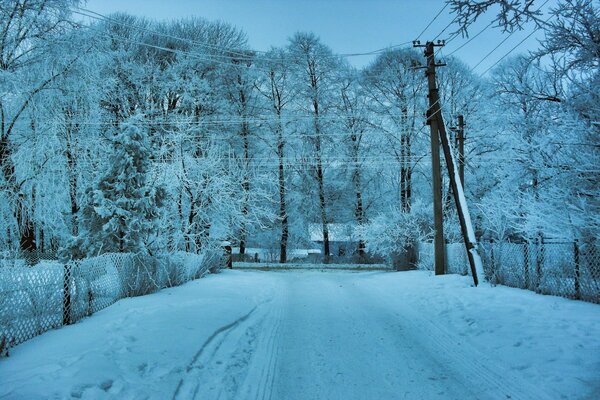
129 135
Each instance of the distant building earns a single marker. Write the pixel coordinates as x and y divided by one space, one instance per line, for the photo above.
343 239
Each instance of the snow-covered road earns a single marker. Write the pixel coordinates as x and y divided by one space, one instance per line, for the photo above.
319 335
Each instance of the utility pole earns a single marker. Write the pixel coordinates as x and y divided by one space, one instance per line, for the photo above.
461 149
432 121
438 133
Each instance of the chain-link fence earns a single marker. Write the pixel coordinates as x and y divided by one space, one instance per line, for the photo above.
567 269
456 257
34 299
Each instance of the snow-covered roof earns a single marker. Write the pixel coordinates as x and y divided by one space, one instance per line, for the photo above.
337 232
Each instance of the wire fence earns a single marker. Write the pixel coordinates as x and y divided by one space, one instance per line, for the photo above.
566 269
50 294
456 258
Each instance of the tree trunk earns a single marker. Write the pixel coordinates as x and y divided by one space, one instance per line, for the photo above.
190 244
72 175
404 160
246 189
22 216
180 212
282 202
27 240
322 199
408 183
359 212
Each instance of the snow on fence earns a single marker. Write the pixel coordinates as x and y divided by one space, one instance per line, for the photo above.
34 299
567 269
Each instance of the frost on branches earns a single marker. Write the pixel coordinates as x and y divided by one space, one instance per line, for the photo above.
124 204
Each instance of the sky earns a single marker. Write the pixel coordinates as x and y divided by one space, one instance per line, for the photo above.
346 26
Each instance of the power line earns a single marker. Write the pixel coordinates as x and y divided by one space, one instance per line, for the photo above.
445 28
97 16
175 51
504 40
471 39
210 58
191 122
432 21
513 48
100 17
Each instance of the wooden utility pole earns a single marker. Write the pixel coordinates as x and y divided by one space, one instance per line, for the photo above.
438 133
432 121
461 149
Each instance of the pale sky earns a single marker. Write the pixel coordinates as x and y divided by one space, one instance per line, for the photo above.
346 26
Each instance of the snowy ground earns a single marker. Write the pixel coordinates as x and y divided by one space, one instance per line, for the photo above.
308 266
319 335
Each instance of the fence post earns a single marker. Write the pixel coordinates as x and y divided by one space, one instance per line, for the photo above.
526 250
539 263
577 272
228 255
493 275
67 294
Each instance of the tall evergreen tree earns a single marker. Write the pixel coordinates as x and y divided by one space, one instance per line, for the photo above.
123 205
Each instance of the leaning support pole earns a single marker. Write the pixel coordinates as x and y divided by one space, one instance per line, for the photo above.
466 226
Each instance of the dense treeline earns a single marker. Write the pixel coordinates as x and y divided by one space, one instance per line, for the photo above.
133 135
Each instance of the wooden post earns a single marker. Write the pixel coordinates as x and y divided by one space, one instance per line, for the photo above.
539 262
494 272
577 271
432 121
439 134
461 149
526 250
464 217
228 256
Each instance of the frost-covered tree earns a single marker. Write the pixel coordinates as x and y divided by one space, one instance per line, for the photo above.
315 73
395 91
123 207
274 85
28 66
253 147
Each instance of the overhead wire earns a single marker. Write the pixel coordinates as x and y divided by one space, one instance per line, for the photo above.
215 58
350 54
370 161
470 39
432 21
98 16
197 56
513 48
504 41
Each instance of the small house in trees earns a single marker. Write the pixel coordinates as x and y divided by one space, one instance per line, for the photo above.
343 239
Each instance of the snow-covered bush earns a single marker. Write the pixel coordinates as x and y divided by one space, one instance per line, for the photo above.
396 231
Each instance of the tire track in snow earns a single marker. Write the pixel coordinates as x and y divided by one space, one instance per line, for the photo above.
200 365
237 360
261 376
